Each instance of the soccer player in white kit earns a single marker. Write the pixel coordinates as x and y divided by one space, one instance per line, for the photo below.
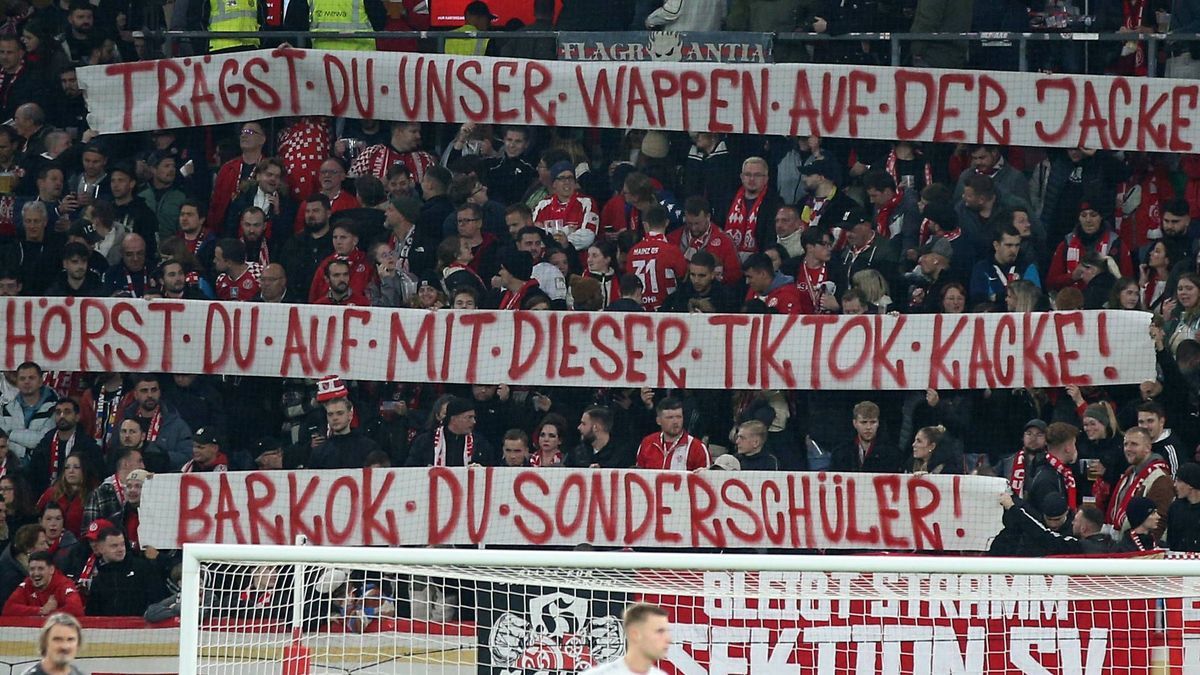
647 637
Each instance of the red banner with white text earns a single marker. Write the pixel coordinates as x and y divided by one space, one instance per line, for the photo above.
566 507
954 106
585 349
975 624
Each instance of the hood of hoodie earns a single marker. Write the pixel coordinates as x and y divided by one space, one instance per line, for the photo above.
779 281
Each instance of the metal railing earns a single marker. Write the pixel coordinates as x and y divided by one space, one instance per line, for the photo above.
895 41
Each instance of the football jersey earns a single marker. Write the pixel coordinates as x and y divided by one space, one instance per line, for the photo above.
243 288
660 265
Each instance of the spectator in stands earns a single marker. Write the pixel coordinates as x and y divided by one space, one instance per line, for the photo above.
237 280
252 138
516 284
515 448
273 286
37 255
775 290
10 464
19 502
550 435
532 240
414 254
76 280
46 590
672 448
1026 534
1144 521
304 253
986 160
30 414
1183 517
207 455
1020 467
53 524
125 583
343 447
702 285
864 250
1091 235
345 249
1056 473
453 441
19 83
112 497
657 264
336 278
162 196
1148 476
699 234
750 438
509 173
597 448
404 147
14 562
932 452
1184 61
268 193
66 438
990 278
168 438
1152 416
172 276
566 214
867 452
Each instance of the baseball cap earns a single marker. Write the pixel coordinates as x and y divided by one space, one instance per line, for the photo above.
1035 423
92 533
726 463
206 436
479 8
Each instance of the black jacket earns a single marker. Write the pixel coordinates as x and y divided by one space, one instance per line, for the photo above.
720 295
300 257
347 451
883 458
615 455
39 461
92 287
1183 526
125 588
422 451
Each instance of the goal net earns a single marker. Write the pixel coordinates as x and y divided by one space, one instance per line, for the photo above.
301 610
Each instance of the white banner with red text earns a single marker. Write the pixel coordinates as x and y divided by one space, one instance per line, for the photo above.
564 507
929 624
950 106
585 349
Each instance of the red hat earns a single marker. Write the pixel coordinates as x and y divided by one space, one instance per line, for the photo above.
329 388
97 526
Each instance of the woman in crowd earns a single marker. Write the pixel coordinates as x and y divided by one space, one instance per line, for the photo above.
70 491
875 287
548 439
1155 273
932 452
19 507
601 266
1183 311
1125 294
954 298
1091 235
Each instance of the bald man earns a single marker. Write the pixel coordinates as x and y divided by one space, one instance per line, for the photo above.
273 282
128 277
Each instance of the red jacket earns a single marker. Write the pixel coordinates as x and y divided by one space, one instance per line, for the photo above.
717 243
225 189
687 452
362 273
28 601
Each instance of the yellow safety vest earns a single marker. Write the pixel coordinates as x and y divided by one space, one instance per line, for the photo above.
232 16
341 16
464 47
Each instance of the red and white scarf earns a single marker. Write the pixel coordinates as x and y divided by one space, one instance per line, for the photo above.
536 459
883 218
1075 248
741 225
119 489
85 575
1016 481
814 278
55 457
1068 479
511 300
692 244
155 426
439 447
1118 506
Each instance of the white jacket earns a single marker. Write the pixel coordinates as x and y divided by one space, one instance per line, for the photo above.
22 438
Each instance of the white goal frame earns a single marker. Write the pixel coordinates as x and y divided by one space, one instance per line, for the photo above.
194 554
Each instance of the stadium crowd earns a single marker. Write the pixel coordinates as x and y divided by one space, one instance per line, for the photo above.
362 212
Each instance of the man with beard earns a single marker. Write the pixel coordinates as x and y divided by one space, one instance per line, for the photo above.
702 284
166 431
79 39
192 231
76 280
454 442
50 456
672 447
44 591
403 148
237 279
342 446
597 448
304 252
338 290
1148 476
172 282
131 213
345 249
108 501
699 234
162 196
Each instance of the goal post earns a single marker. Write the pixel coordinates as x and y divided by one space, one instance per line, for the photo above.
302 610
